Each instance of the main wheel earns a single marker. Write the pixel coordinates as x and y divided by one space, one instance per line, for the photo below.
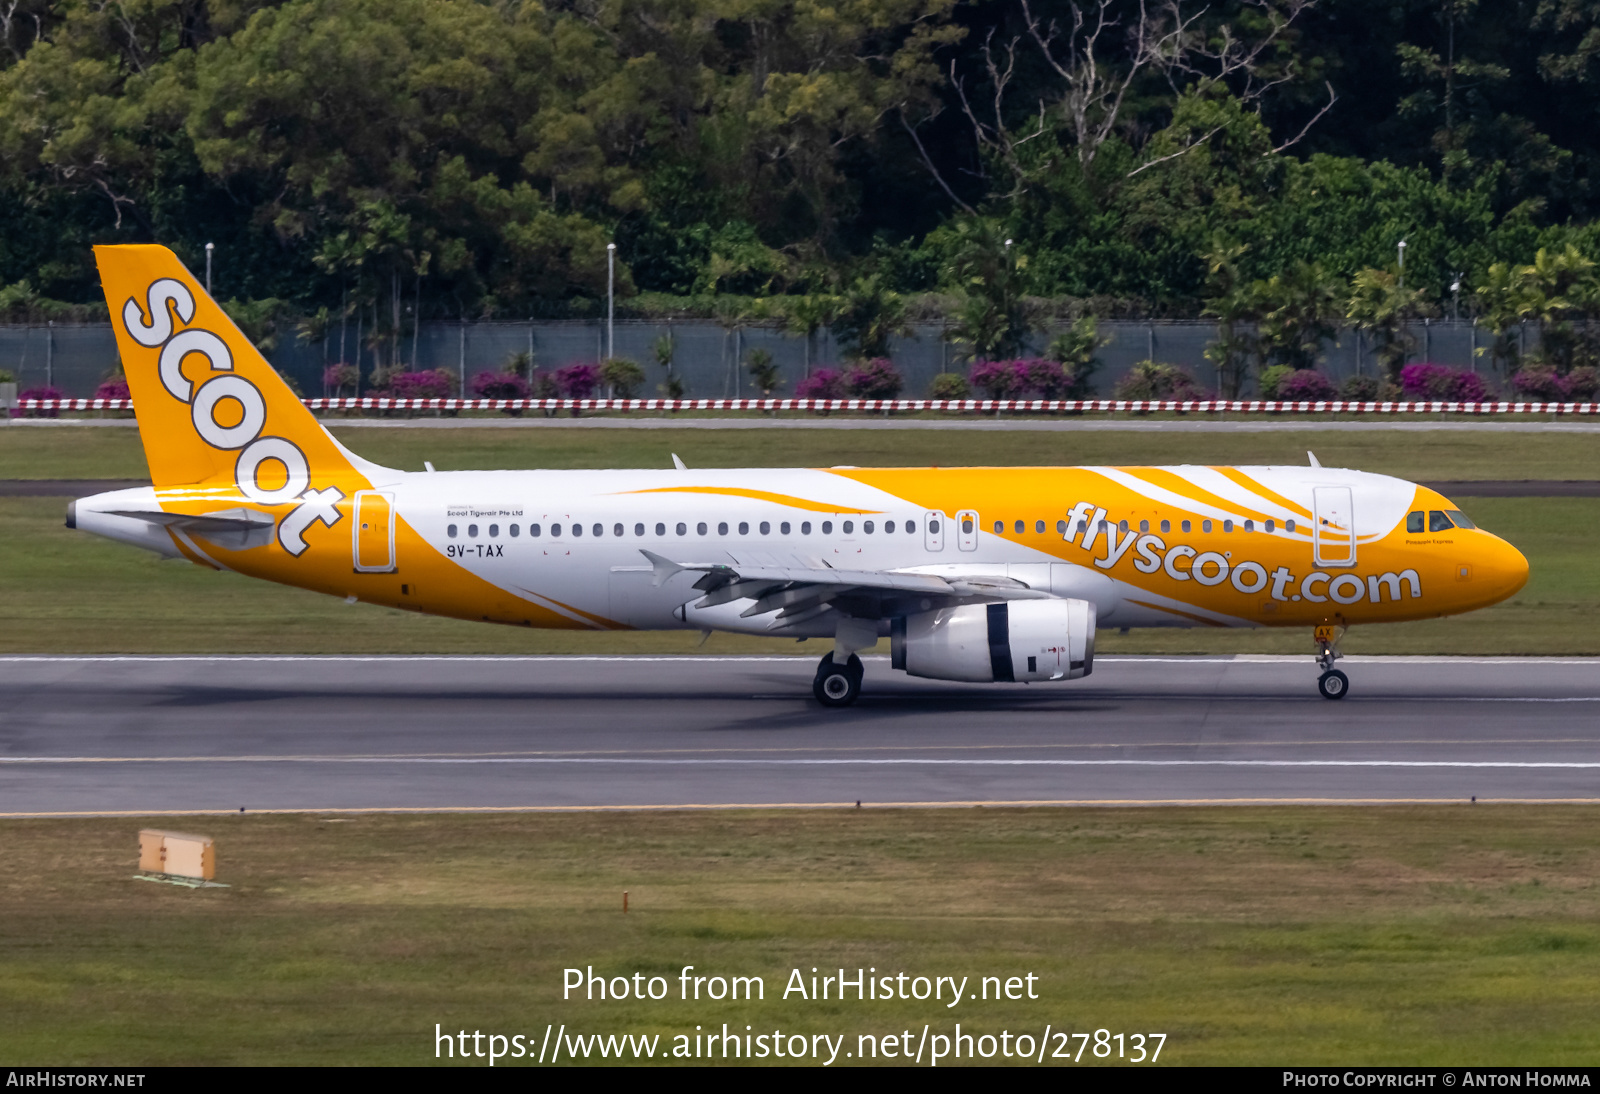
838 685
1333 684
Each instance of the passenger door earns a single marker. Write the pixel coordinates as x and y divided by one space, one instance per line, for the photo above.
1333 536
374 532
933 530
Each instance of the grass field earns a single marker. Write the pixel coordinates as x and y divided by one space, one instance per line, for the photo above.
1442 935
104 453
66 592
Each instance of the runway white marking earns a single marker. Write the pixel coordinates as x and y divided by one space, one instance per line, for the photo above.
534 761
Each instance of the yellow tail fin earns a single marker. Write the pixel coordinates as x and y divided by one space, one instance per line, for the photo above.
211 410
219 426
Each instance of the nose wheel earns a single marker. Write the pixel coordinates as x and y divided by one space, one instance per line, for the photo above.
1332 684
838 685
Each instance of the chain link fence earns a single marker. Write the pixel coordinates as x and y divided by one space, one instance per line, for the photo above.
709 359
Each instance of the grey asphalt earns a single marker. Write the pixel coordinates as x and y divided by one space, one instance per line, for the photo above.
1251 424
1492 488
150 735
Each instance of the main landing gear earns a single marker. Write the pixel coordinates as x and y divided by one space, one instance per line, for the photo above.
838 685
1333 684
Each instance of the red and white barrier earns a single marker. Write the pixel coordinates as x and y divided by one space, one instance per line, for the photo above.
946 406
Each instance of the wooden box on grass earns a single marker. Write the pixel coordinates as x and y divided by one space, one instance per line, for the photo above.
177 853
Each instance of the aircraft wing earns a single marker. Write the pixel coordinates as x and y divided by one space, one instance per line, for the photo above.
798 593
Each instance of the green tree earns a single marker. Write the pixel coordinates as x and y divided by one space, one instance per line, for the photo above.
868 316
987 271
1379 306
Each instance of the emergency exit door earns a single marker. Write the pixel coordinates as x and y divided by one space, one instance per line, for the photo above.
374 532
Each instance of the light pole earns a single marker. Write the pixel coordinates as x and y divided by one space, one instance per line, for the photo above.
1402 264
209 248
1455 299
611 299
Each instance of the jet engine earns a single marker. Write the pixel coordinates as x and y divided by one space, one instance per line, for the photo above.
1019 640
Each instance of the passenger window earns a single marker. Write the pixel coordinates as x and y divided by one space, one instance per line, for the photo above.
827 527
1166 526
1038 527
661 530
1186 526
1020 527
1144 526
849 526
683 529
783 529
888 526
472 531
766 528
1460 518
722 529
617 531
999 527
555 531
1227 526
1061 526
700 528
1205 526
911 527
638 529
494 531
1438 522
599 529
1288 526
451 531
1272 525
966 526
866 526
577 529
515 531
933 528
1249 526
1414 521
1122 526
744 528
533 530
805 528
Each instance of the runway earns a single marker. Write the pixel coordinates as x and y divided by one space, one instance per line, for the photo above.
153 735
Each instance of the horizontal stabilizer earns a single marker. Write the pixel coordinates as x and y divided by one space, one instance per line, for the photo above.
234 529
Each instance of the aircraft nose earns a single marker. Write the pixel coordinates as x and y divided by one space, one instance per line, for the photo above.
1508 567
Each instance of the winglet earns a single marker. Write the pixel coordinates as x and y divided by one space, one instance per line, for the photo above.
1312 456
664 568
679 464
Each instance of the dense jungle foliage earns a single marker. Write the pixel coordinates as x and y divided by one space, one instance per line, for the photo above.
855 164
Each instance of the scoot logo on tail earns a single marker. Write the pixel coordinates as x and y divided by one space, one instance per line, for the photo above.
151 327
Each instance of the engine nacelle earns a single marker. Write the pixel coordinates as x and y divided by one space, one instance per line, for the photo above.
1019 640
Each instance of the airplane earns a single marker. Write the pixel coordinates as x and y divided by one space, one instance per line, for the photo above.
979 574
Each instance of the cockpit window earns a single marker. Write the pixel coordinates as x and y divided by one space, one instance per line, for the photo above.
1414 521
1460 518
1438 522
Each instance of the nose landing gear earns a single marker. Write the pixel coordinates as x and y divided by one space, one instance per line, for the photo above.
1333 684
838 685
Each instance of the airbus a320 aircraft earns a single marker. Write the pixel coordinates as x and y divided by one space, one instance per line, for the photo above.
997 574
